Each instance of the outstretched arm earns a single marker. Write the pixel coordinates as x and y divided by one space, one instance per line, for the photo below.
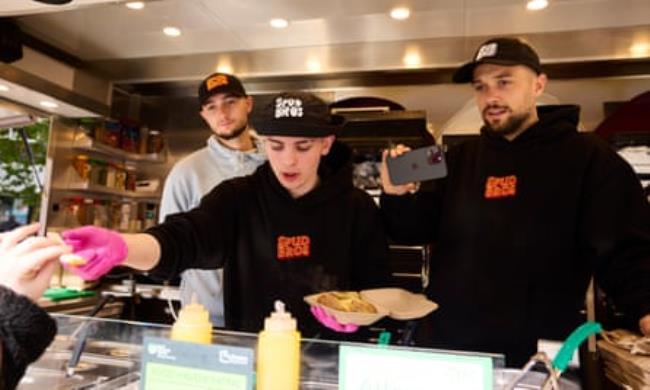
102 249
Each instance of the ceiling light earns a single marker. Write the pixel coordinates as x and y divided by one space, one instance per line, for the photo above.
313 65
400 13
4 88
172 31
279 23
640 49
536 5
48 104
224 68
135 5
412 58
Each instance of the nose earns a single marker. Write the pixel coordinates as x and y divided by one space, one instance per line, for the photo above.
222 111
490 95
289 157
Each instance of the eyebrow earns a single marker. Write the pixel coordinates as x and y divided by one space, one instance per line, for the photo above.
300 143
502 75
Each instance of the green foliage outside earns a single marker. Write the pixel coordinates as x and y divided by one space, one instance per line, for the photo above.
16 176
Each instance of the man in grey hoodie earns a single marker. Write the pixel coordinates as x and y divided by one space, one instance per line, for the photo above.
231 151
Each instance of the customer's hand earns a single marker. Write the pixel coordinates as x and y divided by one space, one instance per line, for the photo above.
644 325
387 185
27 262
102 249
330 322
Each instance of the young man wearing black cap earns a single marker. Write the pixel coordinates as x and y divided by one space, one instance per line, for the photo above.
295 227
231 151
527 214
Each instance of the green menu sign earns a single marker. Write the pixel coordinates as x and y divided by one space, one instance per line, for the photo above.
177 365
362 368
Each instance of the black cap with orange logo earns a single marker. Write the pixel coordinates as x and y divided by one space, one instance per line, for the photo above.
220 83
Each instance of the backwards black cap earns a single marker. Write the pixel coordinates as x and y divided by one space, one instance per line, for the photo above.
500 51
297 114
220 83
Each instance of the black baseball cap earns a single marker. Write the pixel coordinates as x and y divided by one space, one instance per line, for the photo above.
500 51
220 83
298 114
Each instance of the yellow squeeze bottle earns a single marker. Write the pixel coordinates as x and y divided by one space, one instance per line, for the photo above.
193 324
278 352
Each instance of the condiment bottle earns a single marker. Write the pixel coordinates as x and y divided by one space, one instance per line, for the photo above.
278 352
193 324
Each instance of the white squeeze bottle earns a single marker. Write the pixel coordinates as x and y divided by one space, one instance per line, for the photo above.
278 352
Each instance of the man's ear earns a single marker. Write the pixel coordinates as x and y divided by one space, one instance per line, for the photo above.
327 144
540 84
202 113
249 104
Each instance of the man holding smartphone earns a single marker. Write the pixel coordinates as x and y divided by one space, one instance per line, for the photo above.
528 212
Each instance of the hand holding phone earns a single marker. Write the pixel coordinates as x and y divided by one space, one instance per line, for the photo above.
417 165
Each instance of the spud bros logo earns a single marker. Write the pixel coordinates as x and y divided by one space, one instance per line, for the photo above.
500 187
288 108
293 247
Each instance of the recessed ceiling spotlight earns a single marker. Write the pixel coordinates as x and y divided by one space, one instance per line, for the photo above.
172 31
640 49
224 68
4 88
48 104
313 65
400 13
536 5
412 60
279 23
135 5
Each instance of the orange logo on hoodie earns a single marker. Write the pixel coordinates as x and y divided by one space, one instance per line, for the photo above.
500 187
293 247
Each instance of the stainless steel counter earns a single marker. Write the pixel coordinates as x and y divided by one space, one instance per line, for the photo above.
111 357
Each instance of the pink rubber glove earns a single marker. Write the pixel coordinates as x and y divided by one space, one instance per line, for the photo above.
102 248
330 322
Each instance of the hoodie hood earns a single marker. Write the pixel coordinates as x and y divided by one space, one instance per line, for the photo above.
335 172
554 121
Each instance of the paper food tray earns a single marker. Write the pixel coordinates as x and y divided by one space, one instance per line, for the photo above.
396 303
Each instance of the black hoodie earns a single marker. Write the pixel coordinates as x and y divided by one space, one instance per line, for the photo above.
519 228
272 246
25 331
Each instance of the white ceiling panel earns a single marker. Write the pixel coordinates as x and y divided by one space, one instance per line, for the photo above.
114 31
353 28
111 31
244 12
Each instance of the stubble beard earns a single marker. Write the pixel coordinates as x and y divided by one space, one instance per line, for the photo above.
510 126
233 134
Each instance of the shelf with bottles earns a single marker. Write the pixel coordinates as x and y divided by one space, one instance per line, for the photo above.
107 178
124 216
126 140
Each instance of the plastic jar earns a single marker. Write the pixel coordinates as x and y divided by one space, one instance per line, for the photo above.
110 175
154 142
130 178
120 177
81 164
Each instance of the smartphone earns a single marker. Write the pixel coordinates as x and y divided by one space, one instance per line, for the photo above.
417 165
